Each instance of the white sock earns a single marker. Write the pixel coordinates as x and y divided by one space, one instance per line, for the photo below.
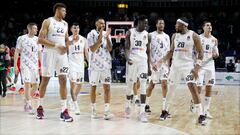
29 102
164 107
147 100
199 109
142 108
135 97
170 95
64 104
93 106
207 101
75 104
128 103
40 102
106 107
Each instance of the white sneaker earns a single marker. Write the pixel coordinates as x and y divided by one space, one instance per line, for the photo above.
108 115
77 112
94 114
208 115
127 112
143 117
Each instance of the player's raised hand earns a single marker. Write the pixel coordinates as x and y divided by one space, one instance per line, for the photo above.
108 32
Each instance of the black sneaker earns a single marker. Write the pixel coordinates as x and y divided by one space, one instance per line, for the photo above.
147 109
4 94
137 102
164 115
202 120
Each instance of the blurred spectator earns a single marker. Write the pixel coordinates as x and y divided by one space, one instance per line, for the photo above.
237 66
230 66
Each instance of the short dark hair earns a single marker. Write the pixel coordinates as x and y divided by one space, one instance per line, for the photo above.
141 18
58 5
31 24
184 19
158 19
204 22
75 24
99 18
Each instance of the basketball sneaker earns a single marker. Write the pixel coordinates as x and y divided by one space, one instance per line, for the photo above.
127 112
40 112
77 110
208 115
64 116
28 108
12 88
143 117
21 91
36 94
164 115
108 115
94 114
137 102
147 109
202 120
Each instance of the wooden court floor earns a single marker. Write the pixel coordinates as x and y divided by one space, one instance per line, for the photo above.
225 108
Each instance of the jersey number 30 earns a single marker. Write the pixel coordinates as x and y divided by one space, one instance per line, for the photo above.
138 43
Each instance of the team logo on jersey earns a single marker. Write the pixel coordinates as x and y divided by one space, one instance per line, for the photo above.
144 37
213 40
188 37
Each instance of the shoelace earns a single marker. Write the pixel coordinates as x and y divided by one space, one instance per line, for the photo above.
65 113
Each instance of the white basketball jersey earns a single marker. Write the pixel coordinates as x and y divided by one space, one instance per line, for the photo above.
138 45
160 45
76 54
56 32
183 54
209 45
29 51
100 59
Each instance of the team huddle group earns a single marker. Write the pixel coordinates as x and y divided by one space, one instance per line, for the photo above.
147 54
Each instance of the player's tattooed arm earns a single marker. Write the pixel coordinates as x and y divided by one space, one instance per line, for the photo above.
199 50
86 50
98 43
109 42
67 41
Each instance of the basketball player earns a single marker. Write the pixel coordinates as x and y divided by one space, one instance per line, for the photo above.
207 72
30 51
4 61
100 45
54 36
137 42
160 45
184 44
77 49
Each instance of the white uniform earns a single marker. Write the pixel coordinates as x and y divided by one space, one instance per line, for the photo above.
183 58
52 59
207 71
76 59
100 61
29 57
138 55
160 45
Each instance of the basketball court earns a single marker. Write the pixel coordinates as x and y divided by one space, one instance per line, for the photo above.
224 108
